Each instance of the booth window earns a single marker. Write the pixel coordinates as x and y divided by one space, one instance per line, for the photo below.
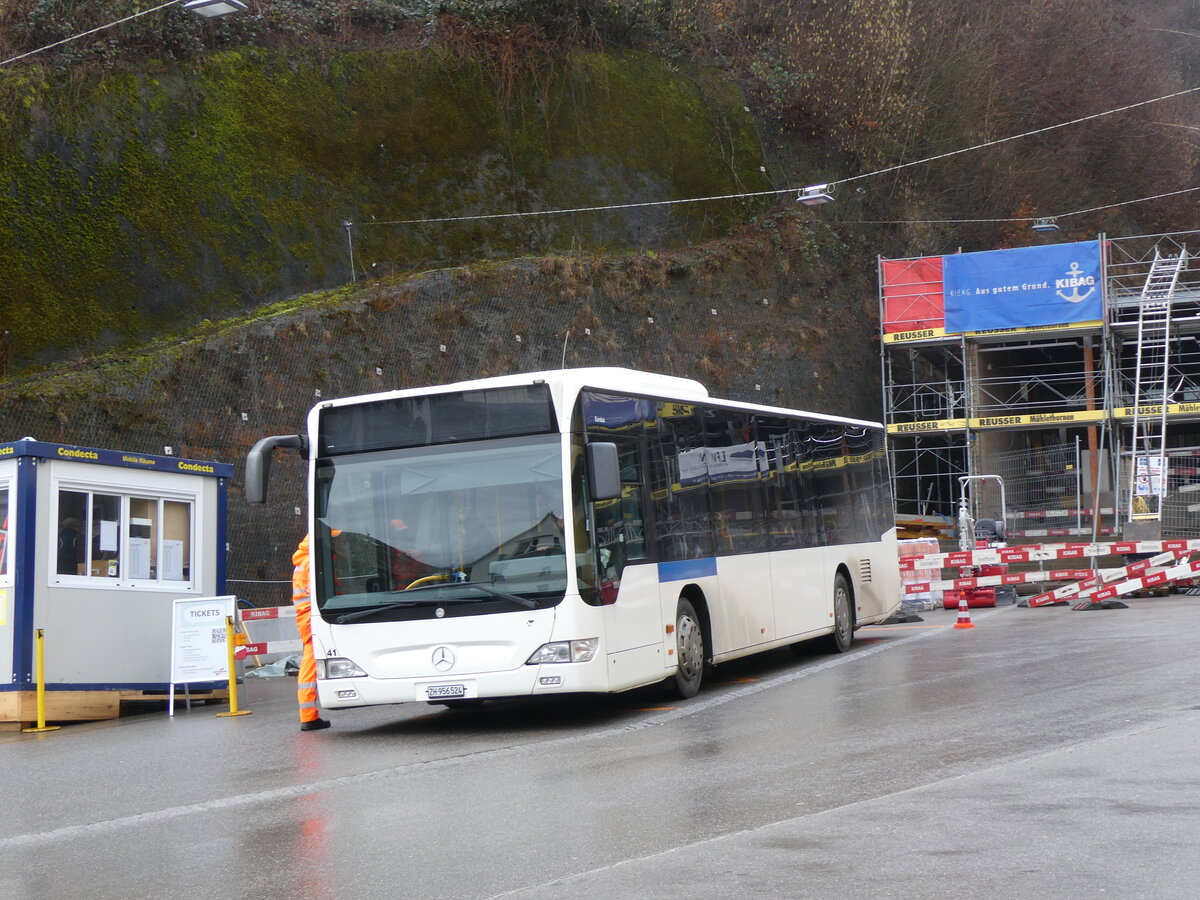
127 538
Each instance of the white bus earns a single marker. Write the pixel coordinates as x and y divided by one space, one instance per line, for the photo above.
593 529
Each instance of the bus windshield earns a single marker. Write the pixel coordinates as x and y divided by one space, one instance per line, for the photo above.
449 530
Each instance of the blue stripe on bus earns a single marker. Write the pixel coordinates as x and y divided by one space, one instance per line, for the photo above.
687 568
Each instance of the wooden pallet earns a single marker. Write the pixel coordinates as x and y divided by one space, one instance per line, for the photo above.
18 709
908 527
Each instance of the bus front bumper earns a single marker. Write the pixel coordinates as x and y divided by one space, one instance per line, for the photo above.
346 693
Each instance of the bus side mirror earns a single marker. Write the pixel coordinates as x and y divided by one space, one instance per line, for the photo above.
604 470
258 463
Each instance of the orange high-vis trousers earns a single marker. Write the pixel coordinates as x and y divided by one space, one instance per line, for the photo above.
306 681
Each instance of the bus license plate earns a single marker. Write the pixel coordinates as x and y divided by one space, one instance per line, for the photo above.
445 691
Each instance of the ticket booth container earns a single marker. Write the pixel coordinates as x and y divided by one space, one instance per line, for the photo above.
94 547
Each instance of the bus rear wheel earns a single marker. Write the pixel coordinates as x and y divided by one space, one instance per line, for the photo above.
690 651
843 616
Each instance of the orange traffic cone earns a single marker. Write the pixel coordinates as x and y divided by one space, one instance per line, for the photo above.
964 613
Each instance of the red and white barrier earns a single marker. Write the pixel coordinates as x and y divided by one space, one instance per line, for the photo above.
259 648
1185 570
1090 585
980 581
1148 569
1058 513
267 612
264 647
1036 552
1057 532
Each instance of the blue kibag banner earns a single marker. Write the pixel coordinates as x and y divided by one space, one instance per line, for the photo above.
1023 287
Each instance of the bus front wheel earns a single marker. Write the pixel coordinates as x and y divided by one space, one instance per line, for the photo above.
843 616
690 651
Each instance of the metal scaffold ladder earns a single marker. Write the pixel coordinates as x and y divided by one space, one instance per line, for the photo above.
1148 483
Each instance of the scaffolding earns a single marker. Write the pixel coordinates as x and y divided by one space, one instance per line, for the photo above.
1068 415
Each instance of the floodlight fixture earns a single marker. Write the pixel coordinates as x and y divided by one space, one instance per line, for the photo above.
1046 224
814 195
212 9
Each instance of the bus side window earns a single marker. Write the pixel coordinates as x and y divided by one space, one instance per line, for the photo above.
620 530
679 490
780 477
736 477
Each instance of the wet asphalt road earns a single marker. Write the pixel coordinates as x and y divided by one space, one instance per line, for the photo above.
1047 752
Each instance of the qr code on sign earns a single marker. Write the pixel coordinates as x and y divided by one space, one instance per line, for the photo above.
218 635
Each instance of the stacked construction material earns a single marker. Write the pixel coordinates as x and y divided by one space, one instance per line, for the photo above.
924 600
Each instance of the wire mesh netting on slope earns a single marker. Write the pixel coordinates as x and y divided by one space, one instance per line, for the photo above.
747 330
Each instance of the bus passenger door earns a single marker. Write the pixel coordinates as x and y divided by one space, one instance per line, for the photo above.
800 574
627 580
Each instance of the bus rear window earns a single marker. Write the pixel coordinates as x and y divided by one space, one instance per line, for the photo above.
436 419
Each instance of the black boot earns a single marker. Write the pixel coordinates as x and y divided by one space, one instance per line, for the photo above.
315 725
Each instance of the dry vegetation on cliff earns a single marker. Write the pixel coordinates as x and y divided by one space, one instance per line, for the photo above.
853 84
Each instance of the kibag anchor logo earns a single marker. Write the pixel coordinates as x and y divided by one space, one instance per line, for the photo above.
1075 280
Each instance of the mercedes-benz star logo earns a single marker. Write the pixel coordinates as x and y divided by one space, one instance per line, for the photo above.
443 659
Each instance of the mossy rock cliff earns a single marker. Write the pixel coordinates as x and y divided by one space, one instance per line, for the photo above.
134 204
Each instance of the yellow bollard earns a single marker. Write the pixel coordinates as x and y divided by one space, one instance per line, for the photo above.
233 703
40 657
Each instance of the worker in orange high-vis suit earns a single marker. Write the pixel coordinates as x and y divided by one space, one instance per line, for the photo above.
306 682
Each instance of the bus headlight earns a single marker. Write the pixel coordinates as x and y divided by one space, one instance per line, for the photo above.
338 667
564 652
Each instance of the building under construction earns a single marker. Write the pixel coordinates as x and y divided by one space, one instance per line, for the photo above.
1072 371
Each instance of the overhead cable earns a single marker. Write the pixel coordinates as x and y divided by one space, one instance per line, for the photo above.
76 37
1078 212
792 190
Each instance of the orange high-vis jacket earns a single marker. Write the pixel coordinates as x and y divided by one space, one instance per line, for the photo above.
300 586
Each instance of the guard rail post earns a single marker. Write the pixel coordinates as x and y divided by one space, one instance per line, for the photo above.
233 698
40 670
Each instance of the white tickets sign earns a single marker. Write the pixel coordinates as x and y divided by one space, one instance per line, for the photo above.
198 639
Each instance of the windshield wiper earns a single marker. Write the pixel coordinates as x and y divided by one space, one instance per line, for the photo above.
404 604
485 586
